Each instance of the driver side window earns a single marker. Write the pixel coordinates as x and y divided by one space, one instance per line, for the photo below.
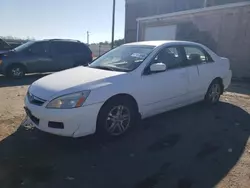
170 56
38 48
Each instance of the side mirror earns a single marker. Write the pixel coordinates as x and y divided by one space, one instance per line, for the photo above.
158 67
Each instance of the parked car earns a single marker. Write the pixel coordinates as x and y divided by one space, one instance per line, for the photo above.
44 56
134 80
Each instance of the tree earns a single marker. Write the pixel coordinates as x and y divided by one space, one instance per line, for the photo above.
119 42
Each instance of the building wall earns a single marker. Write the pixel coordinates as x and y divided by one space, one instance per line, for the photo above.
226 31
144 8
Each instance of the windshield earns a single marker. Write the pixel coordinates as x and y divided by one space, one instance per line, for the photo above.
23 46
124 58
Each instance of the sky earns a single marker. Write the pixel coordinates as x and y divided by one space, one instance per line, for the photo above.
70 19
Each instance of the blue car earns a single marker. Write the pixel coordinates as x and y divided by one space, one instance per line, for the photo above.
44 56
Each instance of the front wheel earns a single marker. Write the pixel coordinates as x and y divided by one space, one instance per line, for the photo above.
16 71
214 92
116 118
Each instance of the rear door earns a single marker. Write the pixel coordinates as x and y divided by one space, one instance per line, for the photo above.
37 58
81 54
62 54
201 68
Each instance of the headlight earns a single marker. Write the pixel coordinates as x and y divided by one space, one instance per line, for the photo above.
74 100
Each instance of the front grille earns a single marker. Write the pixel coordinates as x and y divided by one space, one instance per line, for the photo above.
35 100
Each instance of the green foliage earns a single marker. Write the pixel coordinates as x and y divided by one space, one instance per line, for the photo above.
116 42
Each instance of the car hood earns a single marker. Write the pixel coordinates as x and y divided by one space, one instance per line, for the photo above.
2 53
9 54
70 81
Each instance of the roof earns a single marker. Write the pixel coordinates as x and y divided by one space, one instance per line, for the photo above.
63 40
161 42
193 11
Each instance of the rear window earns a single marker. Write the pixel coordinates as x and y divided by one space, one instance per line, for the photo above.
61 47
80 48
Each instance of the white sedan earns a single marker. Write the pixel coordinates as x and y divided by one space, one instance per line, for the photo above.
136 80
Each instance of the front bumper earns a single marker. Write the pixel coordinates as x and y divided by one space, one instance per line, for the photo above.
76 122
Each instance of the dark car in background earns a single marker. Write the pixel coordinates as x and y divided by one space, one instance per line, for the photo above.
44 56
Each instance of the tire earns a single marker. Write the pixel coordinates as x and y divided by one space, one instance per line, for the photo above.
214 92
116 117
16 71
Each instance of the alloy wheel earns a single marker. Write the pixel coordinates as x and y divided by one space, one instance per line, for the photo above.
118 120
215 92
17 72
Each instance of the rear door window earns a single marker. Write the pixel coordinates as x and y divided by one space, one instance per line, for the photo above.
80 48
75 48
196 55
68 48
62 48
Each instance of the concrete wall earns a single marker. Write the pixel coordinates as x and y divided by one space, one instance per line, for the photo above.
226 31
144 8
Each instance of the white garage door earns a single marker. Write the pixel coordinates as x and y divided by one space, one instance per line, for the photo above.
160 33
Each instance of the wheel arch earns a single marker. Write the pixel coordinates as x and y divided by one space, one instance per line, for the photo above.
15 64
119 97
220 80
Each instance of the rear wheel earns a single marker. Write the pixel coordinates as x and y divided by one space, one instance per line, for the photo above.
16 71
214 92
116 117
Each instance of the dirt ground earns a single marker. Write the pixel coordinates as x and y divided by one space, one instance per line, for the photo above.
192 147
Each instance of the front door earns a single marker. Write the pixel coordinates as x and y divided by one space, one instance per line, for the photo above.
38 58
164 90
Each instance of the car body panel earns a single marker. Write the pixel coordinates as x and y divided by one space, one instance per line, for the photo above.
72 119
74 80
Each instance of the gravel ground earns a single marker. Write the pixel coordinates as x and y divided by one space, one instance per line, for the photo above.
192 147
